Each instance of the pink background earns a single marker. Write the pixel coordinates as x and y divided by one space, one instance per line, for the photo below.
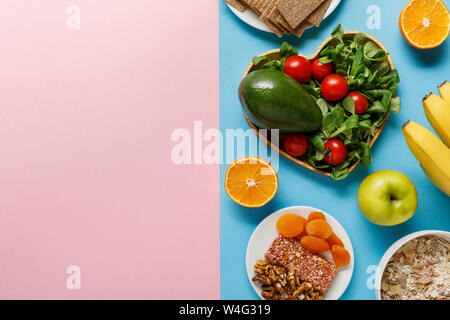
86 176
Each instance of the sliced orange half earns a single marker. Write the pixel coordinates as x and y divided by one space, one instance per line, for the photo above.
251 182
425 24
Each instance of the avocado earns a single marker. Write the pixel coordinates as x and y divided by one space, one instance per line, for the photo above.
274 100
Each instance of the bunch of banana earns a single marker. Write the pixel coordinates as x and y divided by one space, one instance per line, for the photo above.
432 153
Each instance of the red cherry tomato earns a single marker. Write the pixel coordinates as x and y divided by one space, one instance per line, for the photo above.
334 87
321 70
296 144
338 152
298 68
361 102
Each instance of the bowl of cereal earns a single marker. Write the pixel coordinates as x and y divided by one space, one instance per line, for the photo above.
415 267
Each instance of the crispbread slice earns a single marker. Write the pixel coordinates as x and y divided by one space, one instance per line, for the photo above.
237 4
275 29
296 11
301 28
266 7
251 5
282 21
261 5
285 30
273 17
316 17
274 13
298 31
269 6
255 4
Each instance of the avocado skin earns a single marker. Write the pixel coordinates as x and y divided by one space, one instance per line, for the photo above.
273 100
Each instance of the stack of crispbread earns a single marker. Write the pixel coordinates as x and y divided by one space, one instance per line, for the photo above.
286 16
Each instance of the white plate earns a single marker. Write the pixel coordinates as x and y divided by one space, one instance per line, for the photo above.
266 232
251 18
393 249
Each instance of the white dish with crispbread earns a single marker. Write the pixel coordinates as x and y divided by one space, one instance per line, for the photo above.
253 18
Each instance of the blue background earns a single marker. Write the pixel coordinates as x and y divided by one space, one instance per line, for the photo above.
420 73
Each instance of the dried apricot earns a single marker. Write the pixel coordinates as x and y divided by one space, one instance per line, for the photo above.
314 244
316 215
303 233
319 228
334 240
290 225
341 256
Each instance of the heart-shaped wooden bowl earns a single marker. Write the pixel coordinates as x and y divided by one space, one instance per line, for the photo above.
275 55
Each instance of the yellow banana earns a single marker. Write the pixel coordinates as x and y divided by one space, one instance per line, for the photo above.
444 91
432 154
438 114
433 179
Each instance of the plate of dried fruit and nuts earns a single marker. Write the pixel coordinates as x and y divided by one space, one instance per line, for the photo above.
299 253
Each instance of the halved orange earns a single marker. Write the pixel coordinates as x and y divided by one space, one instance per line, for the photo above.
425 24
251 182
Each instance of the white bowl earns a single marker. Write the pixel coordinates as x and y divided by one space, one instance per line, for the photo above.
393 249
266 232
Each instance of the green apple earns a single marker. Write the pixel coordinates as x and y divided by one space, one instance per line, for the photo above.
387 198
